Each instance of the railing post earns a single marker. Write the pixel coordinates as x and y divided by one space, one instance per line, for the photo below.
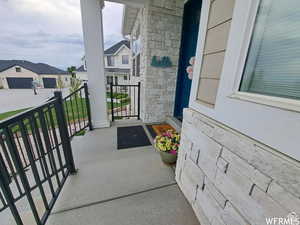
63 129
139 100
111 102
88 107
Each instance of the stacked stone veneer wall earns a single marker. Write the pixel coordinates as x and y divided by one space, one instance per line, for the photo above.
231 179
162 34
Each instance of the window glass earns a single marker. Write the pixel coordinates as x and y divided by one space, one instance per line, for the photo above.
133 67
109 79
110 61
125 59
273 62
18 69
138 58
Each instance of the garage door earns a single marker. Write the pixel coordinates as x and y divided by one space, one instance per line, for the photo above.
17 82
49 82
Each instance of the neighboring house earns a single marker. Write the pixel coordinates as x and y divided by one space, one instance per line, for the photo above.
81 73
16 74
117 62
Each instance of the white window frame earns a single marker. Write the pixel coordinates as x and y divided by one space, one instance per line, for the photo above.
273 121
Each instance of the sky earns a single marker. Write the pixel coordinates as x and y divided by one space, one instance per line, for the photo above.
50 31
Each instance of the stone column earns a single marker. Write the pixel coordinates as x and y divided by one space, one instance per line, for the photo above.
91 12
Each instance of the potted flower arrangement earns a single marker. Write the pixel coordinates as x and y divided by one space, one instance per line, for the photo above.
168 144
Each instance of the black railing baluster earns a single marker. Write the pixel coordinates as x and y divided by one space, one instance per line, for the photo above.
13 173
73 116
111 102
82 107
35 172
52 124
10 200
45 131
18 164
88 106
38 152
43 155
139 100
21 150
68 118
77 108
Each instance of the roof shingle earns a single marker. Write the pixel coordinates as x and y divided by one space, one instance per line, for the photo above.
39 68
113 49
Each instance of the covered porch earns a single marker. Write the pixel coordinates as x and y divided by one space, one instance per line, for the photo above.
129 186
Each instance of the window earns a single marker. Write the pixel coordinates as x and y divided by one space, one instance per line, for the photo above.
272 65
110 61
66 79
109 79
133 67
138 59
125 59
18 69
125 77
116 80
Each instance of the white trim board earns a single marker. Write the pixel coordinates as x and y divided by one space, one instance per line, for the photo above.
277 126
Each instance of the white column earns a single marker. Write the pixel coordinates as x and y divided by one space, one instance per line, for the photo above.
91 12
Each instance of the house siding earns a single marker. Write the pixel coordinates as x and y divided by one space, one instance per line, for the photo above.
232 179
228 177
11 72
218 28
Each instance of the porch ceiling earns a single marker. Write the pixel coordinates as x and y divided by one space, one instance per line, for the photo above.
129 17
133 3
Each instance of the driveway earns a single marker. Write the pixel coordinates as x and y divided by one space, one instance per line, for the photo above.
13 99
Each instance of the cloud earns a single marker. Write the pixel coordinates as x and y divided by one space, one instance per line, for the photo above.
50 31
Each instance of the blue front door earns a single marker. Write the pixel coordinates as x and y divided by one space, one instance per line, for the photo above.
189 36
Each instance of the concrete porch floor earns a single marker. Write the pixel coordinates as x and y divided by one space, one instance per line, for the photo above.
125 187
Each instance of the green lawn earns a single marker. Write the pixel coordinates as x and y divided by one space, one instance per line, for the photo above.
73 110
11 113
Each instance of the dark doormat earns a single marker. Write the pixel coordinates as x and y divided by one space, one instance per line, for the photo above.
131 137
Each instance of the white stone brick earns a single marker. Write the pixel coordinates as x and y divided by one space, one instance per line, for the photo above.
222 164
188 187
249 208
195 153
217 195
269 207
193 172
238 164
284 198
232 217
284 172
217 221
200 214
208 204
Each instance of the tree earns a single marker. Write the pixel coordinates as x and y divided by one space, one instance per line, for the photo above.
72 70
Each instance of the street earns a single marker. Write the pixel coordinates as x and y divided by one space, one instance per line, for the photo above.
14 99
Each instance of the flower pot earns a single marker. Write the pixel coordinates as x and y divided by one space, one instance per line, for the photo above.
168 158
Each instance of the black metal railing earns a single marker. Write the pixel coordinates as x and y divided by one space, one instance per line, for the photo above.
77 109
36 156
124 101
